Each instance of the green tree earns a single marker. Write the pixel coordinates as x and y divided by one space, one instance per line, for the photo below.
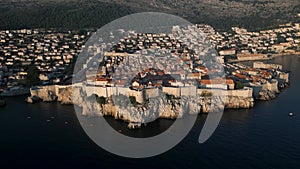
92 98
120 100
133 100
32 75
239 85
169 96
101 100
206 94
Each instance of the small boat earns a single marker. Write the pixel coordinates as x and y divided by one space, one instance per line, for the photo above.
291 114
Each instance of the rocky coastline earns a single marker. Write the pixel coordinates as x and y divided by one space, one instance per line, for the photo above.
139 115
147 109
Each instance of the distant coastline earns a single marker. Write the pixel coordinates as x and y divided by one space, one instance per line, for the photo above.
18 92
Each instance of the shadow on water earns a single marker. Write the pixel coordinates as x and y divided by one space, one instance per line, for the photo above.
151 129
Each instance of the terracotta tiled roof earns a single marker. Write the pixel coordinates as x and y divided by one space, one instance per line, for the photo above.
241 76
101 79
121 82
213 81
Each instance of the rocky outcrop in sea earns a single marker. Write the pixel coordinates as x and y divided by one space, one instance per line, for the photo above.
239 102
266 95
42 94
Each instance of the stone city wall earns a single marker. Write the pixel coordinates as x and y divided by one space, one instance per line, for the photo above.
141 95
246 92
261 65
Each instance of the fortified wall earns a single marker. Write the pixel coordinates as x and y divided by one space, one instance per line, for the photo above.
248 57
55 90
283 77
247 92
261 65
269 86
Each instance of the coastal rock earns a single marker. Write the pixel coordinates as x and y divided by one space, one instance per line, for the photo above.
283 85
157 108
212 104
91 108
134 125
239 102
65 96
77 96
170 110
44 94
193 106
266 95
29 100
32 99
205 105
137 115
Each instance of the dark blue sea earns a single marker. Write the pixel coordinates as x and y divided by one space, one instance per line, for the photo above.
49 135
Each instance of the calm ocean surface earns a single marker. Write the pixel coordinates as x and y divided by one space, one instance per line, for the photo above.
265 137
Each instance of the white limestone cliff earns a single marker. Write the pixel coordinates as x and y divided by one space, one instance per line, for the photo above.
159 107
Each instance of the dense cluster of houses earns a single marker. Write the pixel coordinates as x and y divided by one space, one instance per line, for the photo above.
50 51
166 72
240 44
258 75
171 63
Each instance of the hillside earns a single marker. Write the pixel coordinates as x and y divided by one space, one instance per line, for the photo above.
222 14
